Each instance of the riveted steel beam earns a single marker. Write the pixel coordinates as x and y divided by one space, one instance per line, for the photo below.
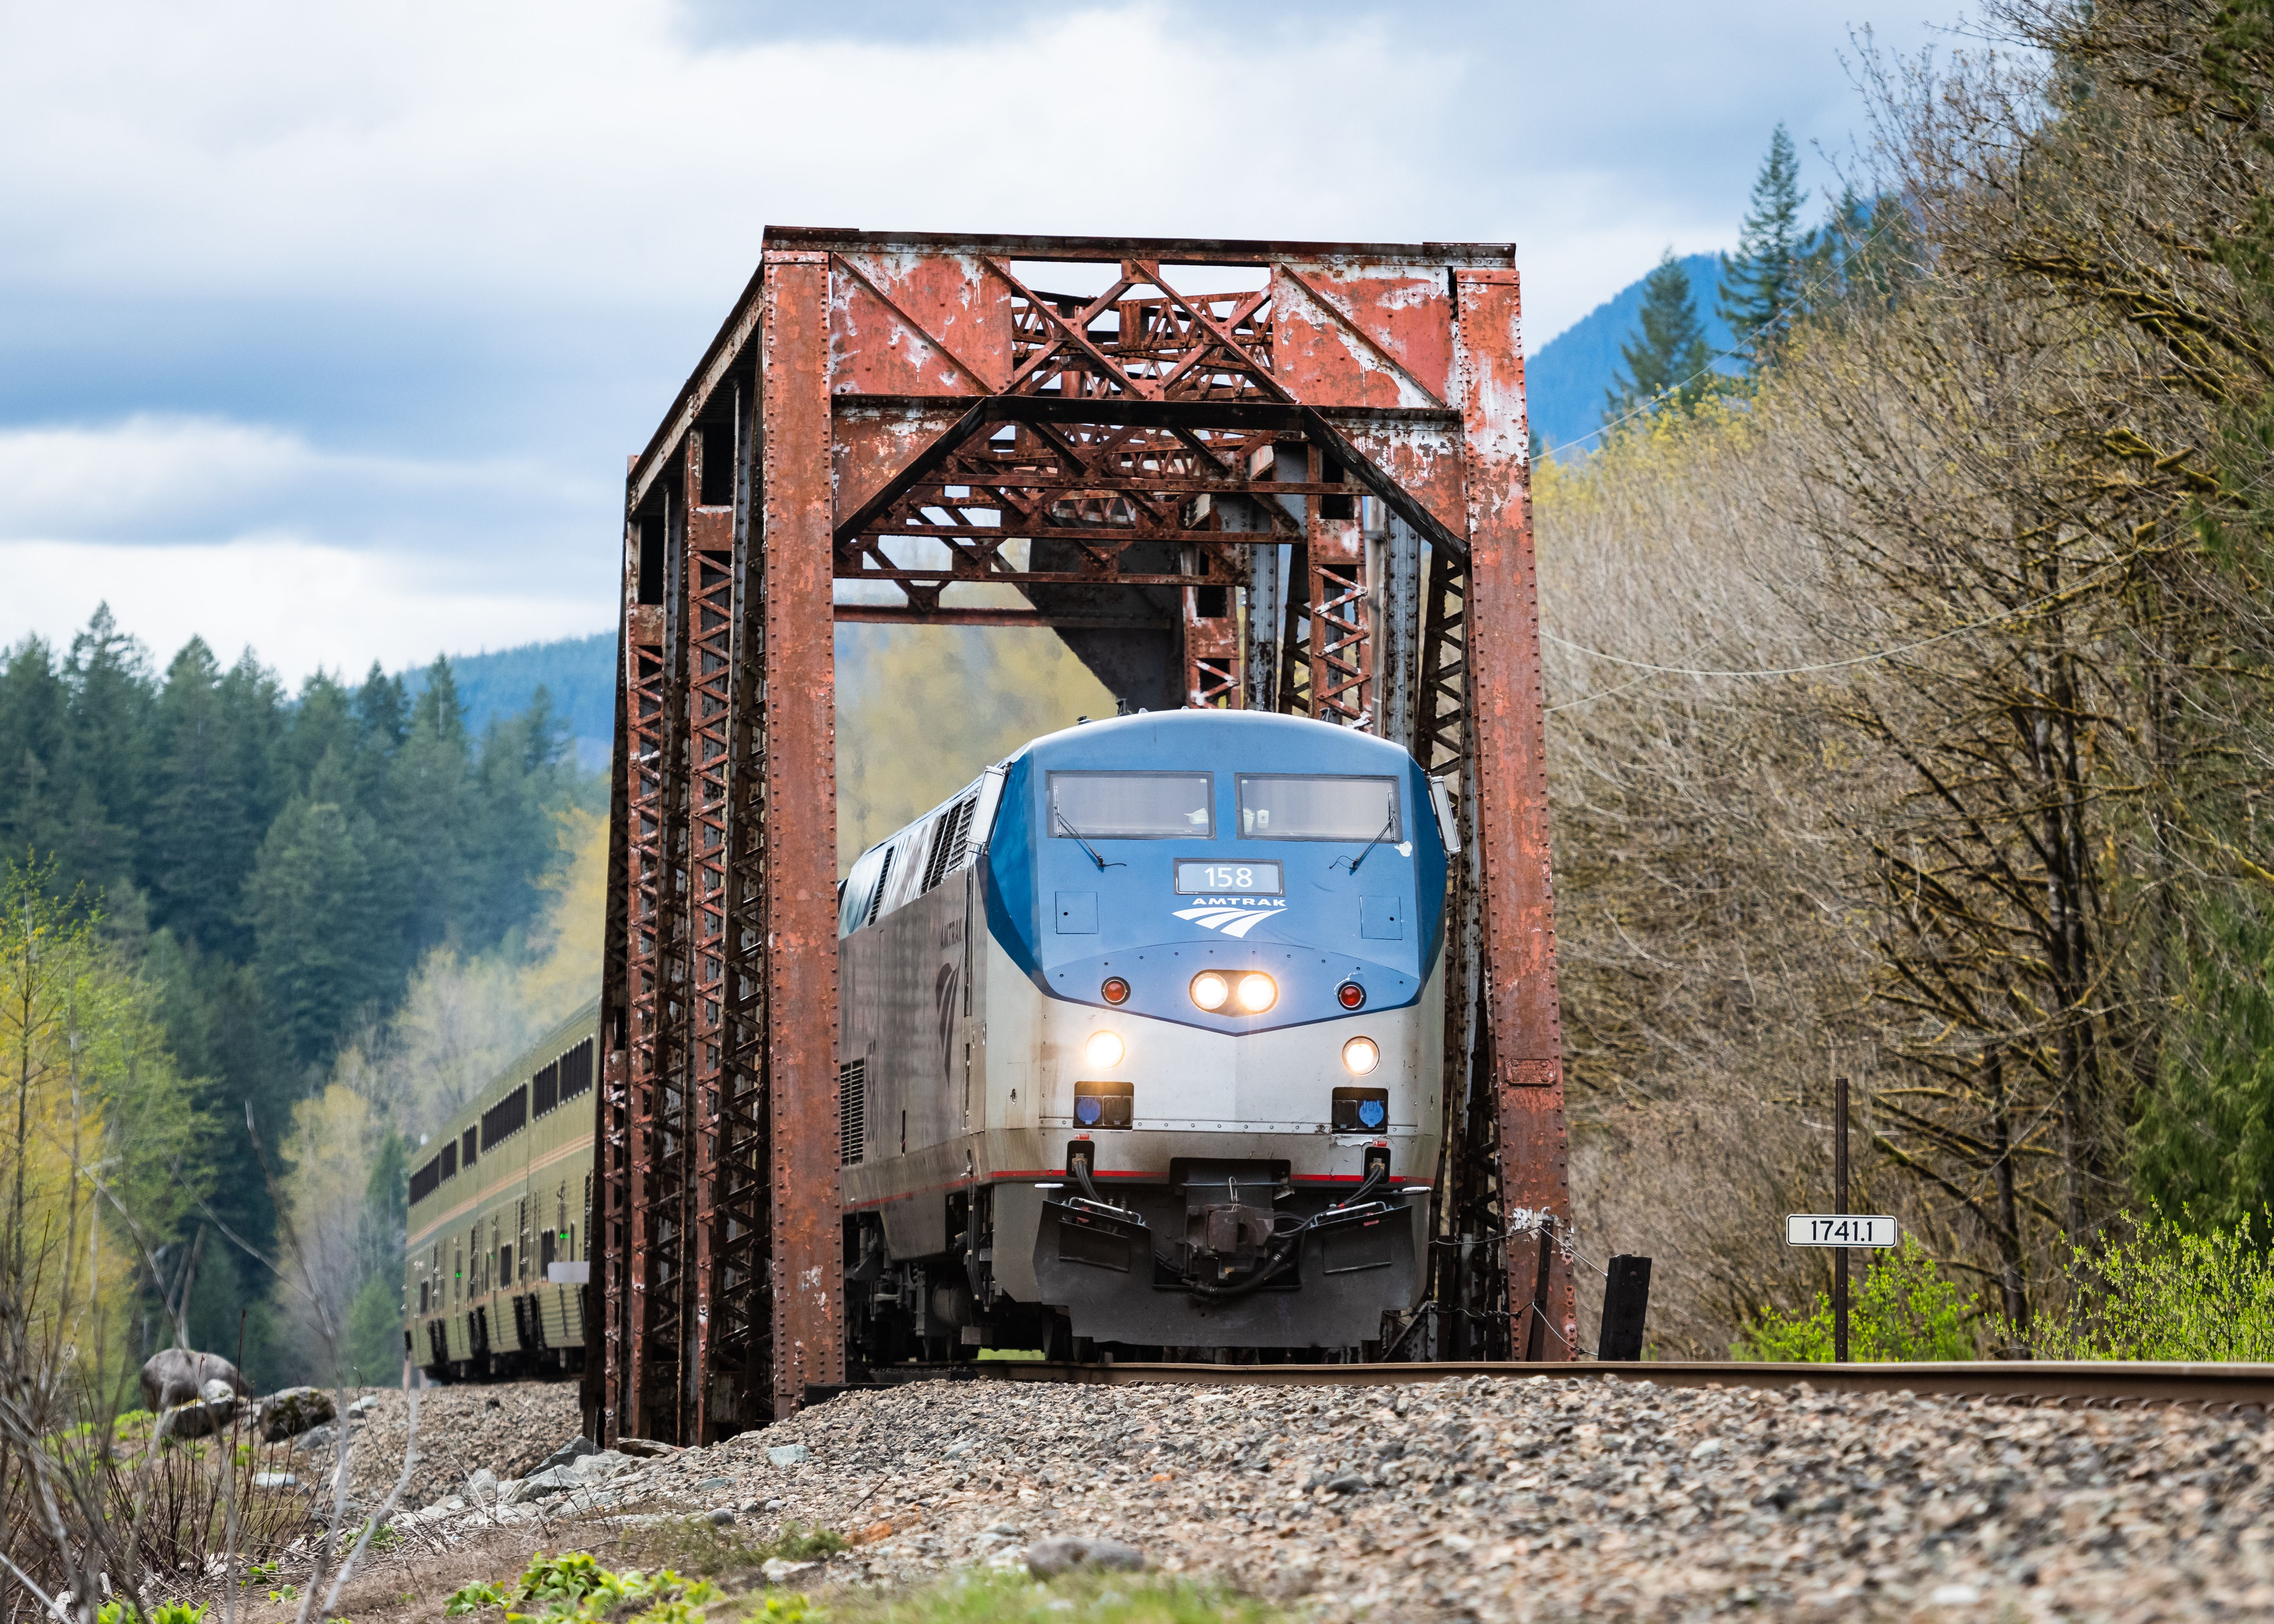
1508 717
800 864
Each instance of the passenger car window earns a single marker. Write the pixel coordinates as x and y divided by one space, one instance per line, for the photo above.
1274 807
1132 806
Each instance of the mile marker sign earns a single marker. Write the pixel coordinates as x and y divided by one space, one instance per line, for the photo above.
1837 1230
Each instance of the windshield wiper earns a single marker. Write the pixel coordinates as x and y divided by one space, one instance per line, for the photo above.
1387 823
1102 864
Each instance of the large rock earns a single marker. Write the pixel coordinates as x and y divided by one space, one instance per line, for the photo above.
211 1412
179 1376
290 1411
576 1448
543 1485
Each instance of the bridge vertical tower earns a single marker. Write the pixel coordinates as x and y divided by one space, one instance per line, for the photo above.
1278 475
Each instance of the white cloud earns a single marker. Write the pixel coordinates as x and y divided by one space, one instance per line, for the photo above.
559 151
300 605
158 478
484 242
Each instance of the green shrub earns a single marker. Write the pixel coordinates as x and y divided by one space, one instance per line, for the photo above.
2167 1292
806 1544
1902 1311
574 1588
164 1612
472 1599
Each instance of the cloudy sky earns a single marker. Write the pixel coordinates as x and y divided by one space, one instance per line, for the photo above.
326 327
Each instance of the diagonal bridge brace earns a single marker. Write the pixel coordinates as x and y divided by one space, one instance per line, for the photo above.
1181 417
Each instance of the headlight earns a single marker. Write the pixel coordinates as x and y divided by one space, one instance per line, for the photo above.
1209 990
1257 993
1360 1056
1104 1050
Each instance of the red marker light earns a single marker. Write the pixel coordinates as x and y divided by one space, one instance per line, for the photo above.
1115 991
1350 995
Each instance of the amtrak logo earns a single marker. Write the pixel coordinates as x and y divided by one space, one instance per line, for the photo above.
1233 918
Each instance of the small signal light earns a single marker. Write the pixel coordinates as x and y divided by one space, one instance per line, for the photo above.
1351 995
1114 990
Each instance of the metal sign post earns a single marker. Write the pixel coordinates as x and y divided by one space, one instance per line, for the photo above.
1841 1231
1840 1206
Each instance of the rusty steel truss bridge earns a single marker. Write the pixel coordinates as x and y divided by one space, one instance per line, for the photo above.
1308 493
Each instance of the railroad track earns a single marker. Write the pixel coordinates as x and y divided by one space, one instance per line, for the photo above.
2221 1387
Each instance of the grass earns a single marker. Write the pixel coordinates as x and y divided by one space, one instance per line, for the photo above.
697 1547
573 1588
1089 1598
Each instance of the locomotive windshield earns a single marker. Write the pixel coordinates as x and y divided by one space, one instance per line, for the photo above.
1132 806
1276 807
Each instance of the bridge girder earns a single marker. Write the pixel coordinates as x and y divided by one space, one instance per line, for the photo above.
1307 492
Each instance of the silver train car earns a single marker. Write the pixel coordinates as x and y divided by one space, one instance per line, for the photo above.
496 1267
1140 1047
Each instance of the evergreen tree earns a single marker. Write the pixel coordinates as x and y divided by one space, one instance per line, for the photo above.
257 716
428 812
2203 1151
1667 363
310 904
522 781
323 725
112 695
1864 253
201 816
382 722
219 1026
35 775
1763 281
275 867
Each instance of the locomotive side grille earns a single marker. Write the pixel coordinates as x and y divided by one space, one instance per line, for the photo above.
884 878
951 841
852 1110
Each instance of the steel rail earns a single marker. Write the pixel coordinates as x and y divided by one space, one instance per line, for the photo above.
2090 1383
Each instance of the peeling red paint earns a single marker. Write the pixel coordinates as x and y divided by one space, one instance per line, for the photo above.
1125 460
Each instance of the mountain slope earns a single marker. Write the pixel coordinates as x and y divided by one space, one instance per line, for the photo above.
1566 381
578 673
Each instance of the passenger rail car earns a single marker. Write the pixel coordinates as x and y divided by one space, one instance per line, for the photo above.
494 1282
1141 1045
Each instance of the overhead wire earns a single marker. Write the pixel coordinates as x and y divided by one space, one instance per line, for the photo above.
1650 669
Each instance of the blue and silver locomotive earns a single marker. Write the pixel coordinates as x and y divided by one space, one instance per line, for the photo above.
1141 1045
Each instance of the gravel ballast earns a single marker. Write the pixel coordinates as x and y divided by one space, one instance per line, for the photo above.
505 1426
1502 1498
